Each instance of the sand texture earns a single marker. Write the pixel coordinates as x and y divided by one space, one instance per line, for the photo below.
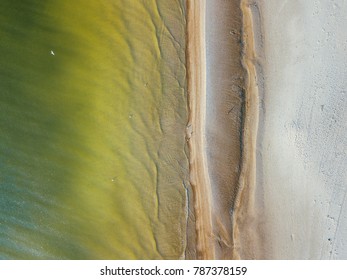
302 138
186 129
225 101
199 178
267 129
221 129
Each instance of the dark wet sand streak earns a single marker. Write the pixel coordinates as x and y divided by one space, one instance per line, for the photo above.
225 100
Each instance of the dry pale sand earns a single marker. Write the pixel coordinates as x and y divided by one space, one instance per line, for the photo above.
221 131
302 143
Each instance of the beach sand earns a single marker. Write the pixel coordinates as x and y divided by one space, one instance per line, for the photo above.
267 133
225 102
302 155
222 126
199 179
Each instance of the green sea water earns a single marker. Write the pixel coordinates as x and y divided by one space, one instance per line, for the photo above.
92 119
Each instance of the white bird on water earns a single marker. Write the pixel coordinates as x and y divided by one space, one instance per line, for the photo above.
52 52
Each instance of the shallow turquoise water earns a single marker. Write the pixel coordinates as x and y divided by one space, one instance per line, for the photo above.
92 149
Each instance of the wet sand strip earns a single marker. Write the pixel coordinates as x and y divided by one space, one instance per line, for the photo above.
222 126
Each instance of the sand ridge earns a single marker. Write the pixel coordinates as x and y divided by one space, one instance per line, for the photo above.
199 180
